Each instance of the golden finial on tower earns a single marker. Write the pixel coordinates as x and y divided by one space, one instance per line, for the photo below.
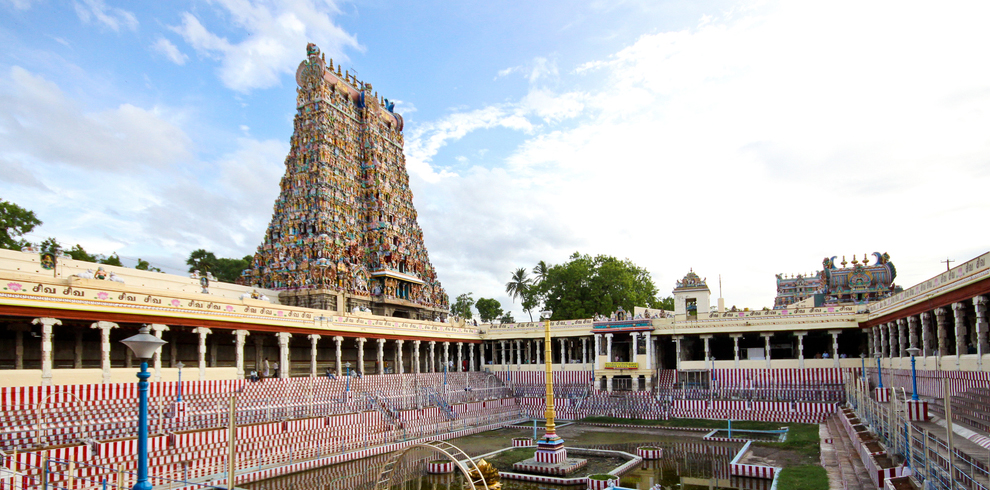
843 261
854 262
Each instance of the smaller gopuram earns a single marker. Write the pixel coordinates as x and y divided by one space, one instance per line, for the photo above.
859 284
344 234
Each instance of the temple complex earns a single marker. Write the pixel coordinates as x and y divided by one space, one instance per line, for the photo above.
344 232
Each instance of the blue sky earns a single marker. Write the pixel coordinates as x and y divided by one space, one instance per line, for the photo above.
738 138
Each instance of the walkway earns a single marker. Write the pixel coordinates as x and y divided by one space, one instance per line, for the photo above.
840 459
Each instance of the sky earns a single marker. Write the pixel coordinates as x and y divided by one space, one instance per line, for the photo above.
739 138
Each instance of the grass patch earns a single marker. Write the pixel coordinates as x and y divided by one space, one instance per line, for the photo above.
801 438
804 477
507 458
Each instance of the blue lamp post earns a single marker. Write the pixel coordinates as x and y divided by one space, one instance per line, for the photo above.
914 351
348 366
178 394
879 371
143 345
862 358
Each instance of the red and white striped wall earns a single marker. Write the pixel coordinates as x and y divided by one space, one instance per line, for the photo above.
649 453
602 484
917 410
522 442
439 467
882 394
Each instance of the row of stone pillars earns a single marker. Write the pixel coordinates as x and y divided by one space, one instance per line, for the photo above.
893 339
709 361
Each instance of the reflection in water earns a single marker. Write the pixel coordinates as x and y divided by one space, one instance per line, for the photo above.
685 466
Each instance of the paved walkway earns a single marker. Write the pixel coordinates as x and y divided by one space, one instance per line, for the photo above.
840 459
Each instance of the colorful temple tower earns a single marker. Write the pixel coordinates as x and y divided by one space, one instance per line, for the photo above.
344 232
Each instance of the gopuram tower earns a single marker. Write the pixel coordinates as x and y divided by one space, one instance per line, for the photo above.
344 233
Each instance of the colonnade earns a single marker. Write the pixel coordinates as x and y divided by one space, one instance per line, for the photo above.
422 360
954 330
518 352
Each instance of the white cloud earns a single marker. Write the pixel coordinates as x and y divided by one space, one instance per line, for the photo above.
276 34
754 143
21 4
39 122
111 17
165 47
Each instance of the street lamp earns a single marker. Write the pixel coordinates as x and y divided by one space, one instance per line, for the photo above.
914 375
878 355
348 366
862 358
178 395
143 345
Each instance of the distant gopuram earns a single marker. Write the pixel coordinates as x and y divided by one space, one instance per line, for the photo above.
343 234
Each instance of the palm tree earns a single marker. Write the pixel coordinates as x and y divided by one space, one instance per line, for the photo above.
519 284
541 270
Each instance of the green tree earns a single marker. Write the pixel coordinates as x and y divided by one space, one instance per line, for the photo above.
518 284
228 270
585 286
488 309
79 253
51 245
507 318
112 259
462 306
541 271
15 221
666 303
144 265
202 261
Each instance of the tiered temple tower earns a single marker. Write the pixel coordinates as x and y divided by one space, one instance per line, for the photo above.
344 232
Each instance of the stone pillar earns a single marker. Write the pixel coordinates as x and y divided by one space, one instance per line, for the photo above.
337 355
360 348
460 357
313 340
874 341
158 328
380 357
481 351
432 365
584 350
46 347
539 351
884 345
869 340
983 343
706 339
649 354
240 338
19 345
608 379
501 344
735 347
563 353
835 346
518 352
471 367
634 336
283 354
598 349
892 335
902 336
677 350
959 313
766 340
608 349
259 353
416 356
203 332
77 352
926 338
446 354
800 337
399 365
105 328
912 322
942 330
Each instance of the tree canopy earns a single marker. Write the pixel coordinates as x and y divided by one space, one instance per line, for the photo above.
15 221
585 286
224 269
462 306
488 309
